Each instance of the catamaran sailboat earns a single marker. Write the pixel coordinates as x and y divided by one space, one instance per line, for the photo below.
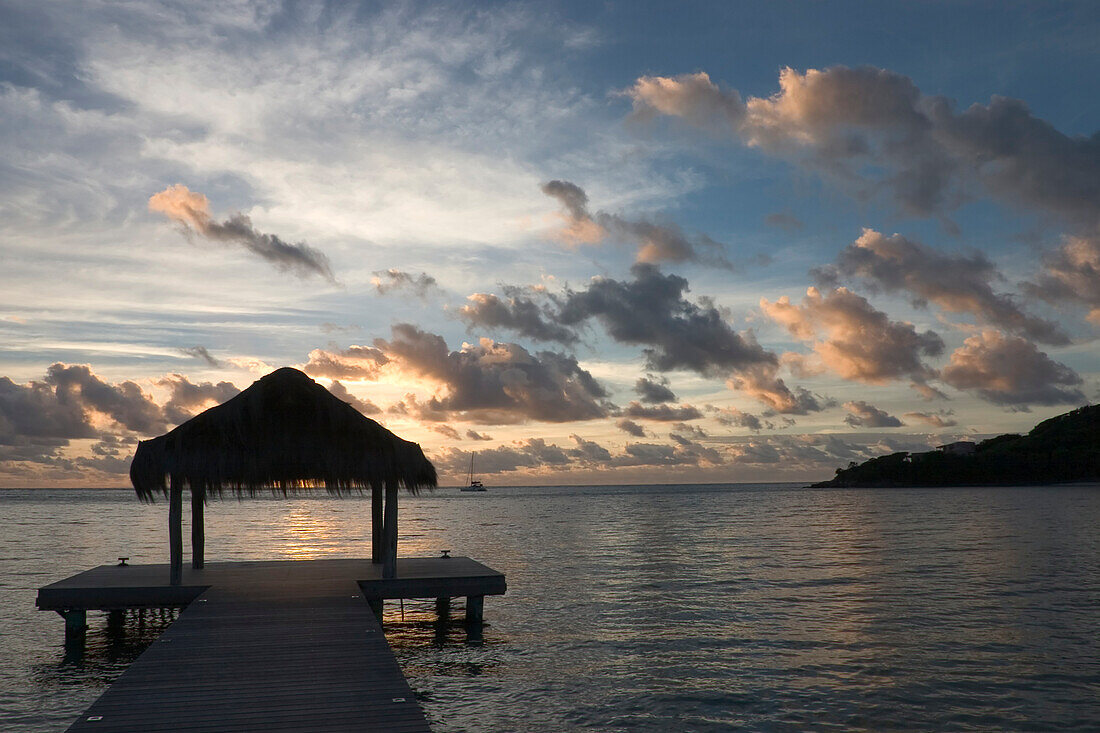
472 484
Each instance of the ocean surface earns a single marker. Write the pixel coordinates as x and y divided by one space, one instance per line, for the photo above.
646 608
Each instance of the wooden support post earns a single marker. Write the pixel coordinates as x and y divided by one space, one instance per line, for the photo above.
475 609
116 617
175 531
389 565
76 624
377 549
76 621
198 529
443 606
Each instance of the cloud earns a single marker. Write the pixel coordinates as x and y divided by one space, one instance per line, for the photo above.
529 454
939 419
200 352
873 129
860 343
683 453
651 311
731 416
518 313
1009 370
865 415
588 452
192 211
474 435
125 403
354 362
187 398
387 281
630 427
40 418
446 430
364 406
663 413
494 382
653 391
693 97
956 283
656 242
1072 274
693 431
35 423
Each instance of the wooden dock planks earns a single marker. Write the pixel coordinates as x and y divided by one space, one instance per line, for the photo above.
266 646
262 656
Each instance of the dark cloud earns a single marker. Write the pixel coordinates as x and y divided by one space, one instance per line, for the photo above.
125 403
354 362
518 313
865 415
1008 370
187 398
446 430
474 435
630 427
497 382
956 283
589 453
654 391
192 211
873 129
364 406
860 342
733 417
663 413
657 242
651 311
1072 274
200 352
35 424
939 419
693 431
39 419
387 281
683 453
530 454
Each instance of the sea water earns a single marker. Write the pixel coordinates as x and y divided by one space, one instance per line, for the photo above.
645 608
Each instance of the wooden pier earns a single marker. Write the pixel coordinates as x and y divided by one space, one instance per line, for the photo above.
273 646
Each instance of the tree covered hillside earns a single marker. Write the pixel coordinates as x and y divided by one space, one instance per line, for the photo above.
1063 448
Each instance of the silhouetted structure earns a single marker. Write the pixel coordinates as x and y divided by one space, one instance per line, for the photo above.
286 434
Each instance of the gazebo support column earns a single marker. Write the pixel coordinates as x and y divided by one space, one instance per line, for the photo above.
175 530
389 564
198 530
475 610
377 549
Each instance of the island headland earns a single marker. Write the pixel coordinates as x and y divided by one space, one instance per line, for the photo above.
1062 449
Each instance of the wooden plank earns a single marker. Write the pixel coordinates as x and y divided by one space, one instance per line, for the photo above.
304 655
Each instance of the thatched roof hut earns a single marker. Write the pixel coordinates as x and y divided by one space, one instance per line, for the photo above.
285 433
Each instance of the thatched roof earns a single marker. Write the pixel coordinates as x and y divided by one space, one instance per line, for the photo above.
284 433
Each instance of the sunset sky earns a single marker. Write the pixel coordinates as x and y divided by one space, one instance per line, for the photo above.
591 242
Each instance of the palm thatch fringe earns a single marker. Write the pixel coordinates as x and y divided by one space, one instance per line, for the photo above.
285 434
